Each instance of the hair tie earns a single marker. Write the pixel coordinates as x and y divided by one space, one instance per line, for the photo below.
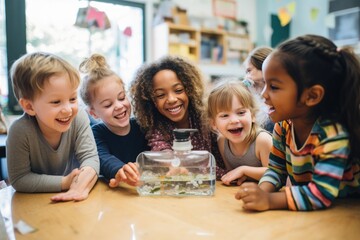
248 82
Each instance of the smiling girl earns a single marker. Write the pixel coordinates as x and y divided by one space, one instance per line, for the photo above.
168 94
312 89
118 137
244 146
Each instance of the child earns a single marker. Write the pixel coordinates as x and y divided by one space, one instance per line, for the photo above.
244 146
52 139
313 90
253 65
254 79
168 94
118 138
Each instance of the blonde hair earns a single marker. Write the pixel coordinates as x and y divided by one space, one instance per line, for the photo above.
95 69
220 99
30 72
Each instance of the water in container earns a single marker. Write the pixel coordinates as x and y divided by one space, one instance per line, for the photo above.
181 172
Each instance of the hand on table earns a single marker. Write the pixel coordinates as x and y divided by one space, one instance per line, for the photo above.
235 174
128 174
253 197
80 187
68 179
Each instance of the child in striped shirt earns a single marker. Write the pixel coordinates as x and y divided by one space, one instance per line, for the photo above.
312 90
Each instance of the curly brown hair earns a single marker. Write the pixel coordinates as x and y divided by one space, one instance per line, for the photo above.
141 91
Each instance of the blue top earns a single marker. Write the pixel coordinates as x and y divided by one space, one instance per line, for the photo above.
114 150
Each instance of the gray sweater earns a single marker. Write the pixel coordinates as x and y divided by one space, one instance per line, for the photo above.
34 166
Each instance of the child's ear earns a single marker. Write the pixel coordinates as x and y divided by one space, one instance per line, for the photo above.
93 113
27 106
313 95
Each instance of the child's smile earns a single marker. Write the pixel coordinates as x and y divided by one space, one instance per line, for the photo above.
235 123
271 109
175 110
111 105
64 121
120 115
236 131
170 97
56 106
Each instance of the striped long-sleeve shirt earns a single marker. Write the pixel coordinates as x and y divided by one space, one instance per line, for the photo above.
319 171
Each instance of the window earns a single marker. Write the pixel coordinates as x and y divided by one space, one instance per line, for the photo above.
347 27
50 27
54 30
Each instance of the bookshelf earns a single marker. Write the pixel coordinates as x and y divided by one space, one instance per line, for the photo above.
207 47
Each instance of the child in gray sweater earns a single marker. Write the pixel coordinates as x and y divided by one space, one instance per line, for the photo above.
50 148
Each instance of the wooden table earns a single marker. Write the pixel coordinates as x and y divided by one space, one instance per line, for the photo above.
122 214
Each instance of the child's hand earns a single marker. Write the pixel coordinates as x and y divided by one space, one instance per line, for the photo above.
235 174
177 170
129 174
67 180
253 197
80 187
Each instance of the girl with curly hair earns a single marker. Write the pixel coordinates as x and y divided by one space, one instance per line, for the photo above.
168 94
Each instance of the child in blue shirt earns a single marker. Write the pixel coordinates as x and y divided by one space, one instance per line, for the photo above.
118 137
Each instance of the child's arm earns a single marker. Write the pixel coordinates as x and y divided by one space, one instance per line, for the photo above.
328 152
330 159
109 163
243 173
27 167
80 186
68 179
86 153
263 196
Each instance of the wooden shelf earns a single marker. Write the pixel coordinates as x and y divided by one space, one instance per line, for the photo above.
207 47
176 40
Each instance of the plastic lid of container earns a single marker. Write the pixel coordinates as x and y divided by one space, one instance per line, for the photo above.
183 134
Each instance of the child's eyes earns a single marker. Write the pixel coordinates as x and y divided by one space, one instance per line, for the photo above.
180 90
159 95
223 115
273 87
72 100
241 112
